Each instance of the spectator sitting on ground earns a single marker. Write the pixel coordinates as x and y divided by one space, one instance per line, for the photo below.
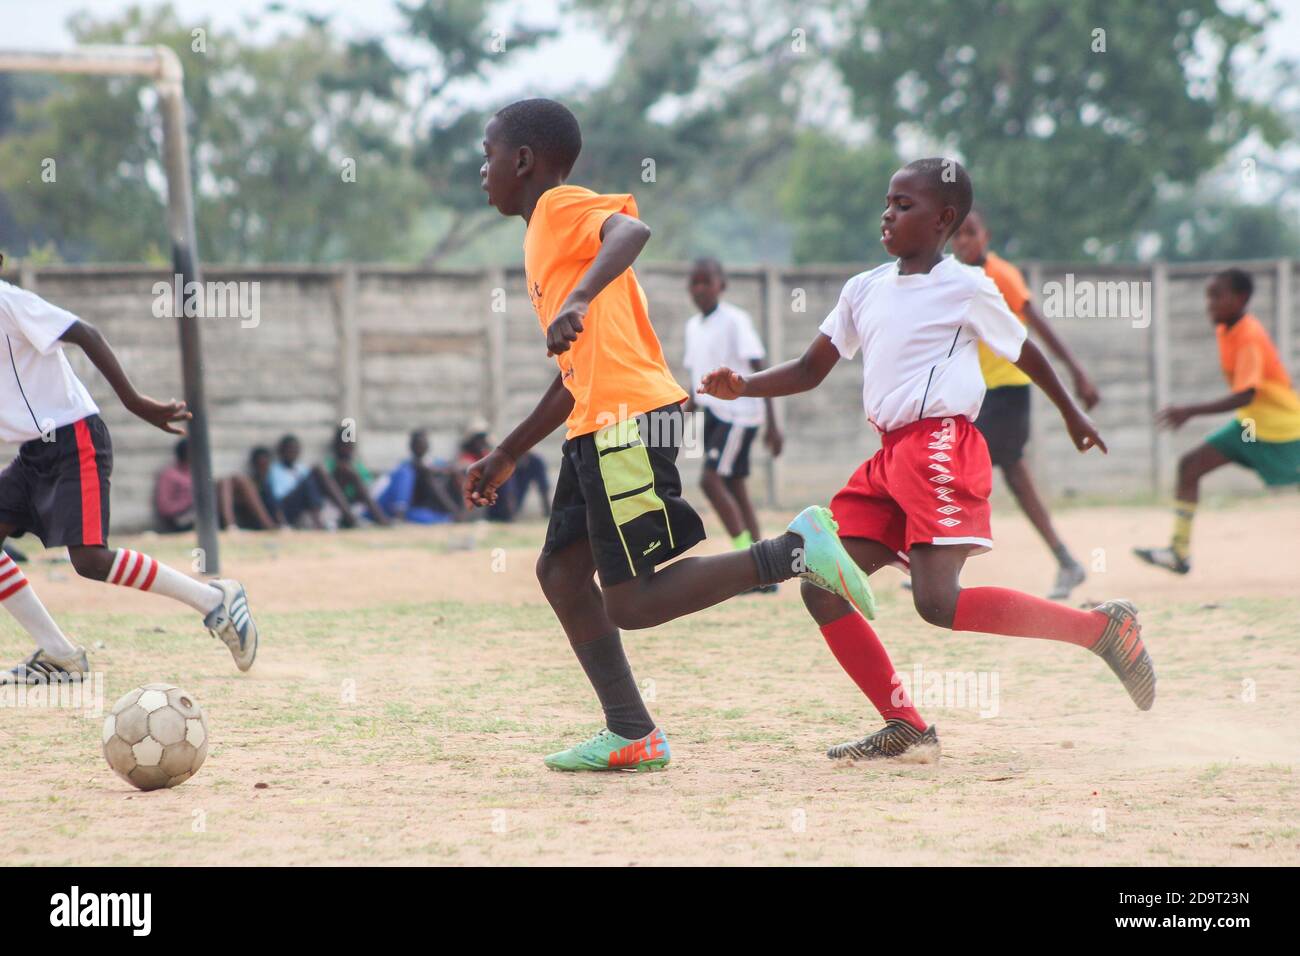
173 493
301 491
419 492
245 500
353 478
529 470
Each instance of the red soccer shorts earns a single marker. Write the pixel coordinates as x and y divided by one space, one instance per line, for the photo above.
928 484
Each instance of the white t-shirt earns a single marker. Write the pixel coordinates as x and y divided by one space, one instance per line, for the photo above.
38 389
724 337
918 335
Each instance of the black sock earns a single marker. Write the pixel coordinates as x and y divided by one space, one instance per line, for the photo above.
777 558
611 676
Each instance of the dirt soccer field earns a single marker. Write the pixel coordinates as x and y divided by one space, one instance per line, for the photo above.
410 680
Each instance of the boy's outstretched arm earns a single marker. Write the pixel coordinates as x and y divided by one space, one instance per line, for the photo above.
1173 416
1082 431
621 240
490 472
789 378
1083 386
159 414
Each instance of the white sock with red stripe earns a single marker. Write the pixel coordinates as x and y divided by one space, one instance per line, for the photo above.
135 569
20 600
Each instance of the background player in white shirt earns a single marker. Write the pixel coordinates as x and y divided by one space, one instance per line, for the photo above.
57 486
723 334
923 498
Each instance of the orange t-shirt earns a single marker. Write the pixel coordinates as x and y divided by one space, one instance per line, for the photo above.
1250 360
997 370
616 368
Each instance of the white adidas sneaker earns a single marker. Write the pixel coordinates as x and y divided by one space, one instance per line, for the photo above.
231 622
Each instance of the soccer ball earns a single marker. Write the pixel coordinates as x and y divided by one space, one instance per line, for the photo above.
156 736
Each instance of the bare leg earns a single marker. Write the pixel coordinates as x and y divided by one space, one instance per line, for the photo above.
740 494
242 487
1195 465
715 489
936 580
331 490
226 502
680 588
1021 484
349 474
826 607
568 580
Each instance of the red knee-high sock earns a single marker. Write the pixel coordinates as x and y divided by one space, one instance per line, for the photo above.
1015 614
859 651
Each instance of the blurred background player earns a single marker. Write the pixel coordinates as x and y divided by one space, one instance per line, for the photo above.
57 487
721 334
1004 416
922 499
1264 435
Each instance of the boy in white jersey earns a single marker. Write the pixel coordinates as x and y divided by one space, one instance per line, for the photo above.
722 334
922 500
57 487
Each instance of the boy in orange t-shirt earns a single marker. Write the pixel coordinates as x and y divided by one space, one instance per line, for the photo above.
1264 435
618 510
1004 417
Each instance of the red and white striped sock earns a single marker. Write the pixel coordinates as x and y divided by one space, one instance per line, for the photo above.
21 601
135 569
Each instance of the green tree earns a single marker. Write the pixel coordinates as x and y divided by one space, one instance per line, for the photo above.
834 195
277 132
1070 115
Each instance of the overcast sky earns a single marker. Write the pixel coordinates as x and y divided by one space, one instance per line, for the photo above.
577 55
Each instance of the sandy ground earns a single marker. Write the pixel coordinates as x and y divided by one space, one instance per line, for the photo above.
409 681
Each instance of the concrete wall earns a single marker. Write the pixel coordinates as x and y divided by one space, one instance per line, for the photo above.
395 348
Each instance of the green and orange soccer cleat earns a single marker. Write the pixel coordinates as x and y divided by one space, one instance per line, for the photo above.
827 564
608 751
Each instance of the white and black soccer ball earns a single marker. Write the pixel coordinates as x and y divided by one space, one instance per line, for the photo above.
156 736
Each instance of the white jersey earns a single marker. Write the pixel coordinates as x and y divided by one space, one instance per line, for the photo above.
919 338
38 389
724 337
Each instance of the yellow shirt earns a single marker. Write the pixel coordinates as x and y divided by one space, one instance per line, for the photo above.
1250 360
997 370
616 367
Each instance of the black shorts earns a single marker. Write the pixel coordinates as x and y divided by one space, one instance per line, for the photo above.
58 490
726 446
1004 422
619 489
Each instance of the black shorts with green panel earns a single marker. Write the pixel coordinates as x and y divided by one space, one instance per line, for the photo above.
619 489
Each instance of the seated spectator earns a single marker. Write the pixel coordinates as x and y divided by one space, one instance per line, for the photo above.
419 492
353 478
245 500
529 470
173 494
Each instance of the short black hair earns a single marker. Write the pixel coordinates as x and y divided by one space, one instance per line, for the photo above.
415 435
949 179
182 449
710 263
285 441
1239 281
548 128
258 451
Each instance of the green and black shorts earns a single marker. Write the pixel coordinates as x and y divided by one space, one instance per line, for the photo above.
619 489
